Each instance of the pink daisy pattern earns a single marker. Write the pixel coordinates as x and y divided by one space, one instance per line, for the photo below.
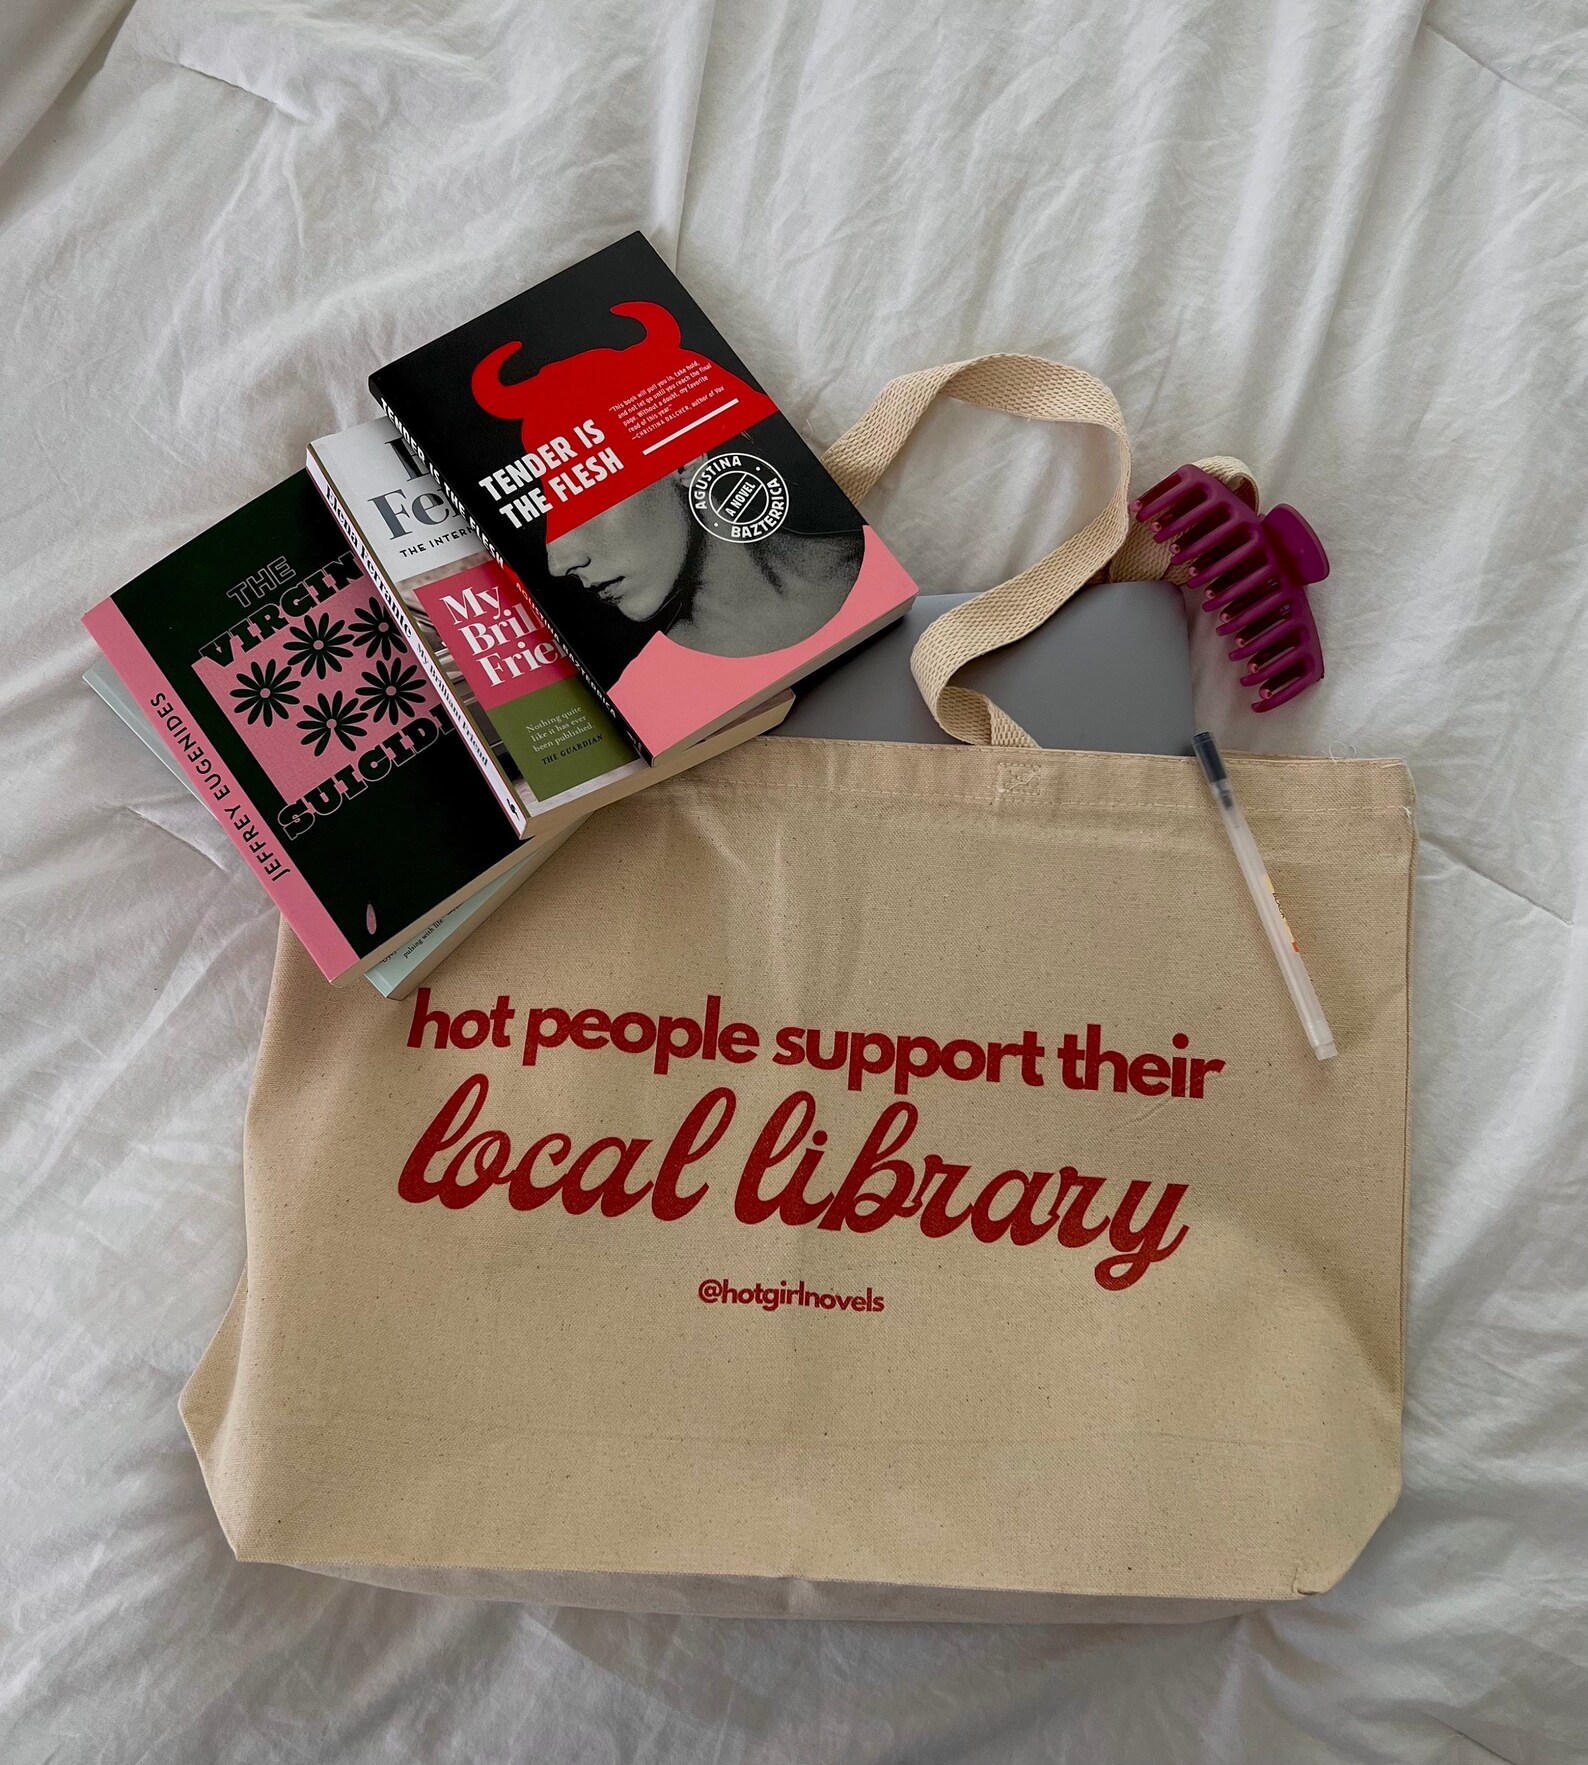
271 689
334 717
319 646
266 690
391 690
375 632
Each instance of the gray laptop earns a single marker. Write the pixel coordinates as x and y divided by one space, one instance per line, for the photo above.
1110 671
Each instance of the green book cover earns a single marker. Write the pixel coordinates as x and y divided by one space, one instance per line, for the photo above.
276 677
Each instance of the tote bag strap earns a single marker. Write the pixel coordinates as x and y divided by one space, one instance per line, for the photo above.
1023 386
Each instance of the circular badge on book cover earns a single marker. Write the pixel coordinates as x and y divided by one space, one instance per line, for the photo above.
739 497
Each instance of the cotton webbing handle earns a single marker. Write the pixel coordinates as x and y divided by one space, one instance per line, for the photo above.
1023 386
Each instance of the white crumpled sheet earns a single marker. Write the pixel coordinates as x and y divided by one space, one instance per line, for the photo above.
1345 241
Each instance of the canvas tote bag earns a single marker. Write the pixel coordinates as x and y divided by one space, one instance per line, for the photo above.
856 1179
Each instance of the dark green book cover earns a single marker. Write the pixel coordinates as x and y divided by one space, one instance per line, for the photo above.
268 664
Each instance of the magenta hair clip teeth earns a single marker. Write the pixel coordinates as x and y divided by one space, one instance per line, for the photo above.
1252 571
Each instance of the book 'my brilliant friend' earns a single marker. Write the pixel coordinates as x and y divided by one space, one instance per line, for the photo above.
540 735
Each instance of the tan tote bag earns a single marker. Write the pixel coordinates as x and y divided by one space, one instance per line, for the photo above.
854 1179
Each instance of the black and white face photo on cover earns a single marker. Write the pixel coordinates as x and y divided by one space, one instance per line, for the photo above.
649 560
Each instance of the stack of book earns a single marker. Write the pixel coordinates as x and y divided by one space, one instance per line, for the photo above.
582 551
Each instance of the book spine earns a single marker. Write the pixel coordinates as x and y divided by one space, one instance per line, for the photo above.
426 464
478 748
202 768
404 969
395 976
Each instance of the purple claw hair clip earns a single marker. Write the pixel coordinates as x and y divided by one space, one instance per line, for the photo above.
1253 572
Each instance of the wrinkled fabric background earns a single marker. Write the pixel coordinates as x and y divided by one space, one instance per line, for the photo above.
1343 241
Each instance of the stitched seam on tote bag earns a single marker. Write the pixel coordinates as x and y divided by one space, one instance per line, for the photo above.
658 799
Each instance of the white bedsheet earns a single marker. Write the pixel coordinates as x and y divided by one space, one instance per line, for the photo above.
1343 240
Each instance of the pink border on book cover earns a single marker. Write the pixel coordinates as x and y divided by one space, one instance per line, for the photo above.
647 691
318 932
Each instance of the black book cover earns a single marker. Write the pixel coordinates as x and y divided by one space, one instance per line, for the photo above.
618 456
264 658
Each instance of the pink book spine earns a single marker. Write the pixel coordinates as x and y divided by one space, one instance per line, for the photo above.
215 783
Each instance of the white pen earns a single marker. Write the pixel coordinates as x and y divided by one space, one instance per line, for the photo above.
1286 951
